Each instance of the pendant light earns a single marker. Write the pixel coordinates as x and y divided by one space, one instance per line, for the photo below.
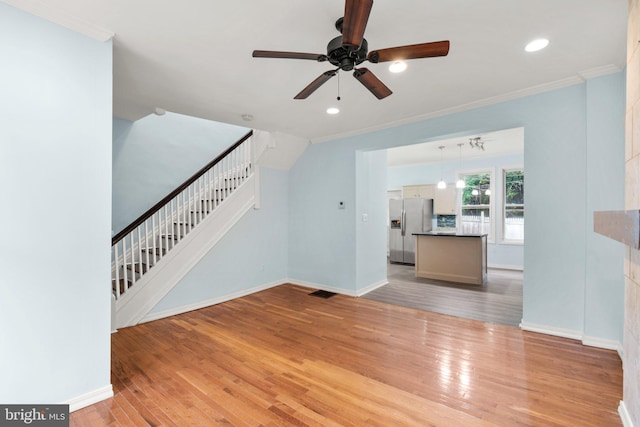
460 183
441 184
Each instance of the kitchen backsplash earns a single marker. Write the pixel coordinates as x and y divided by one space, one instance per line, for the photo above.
446 221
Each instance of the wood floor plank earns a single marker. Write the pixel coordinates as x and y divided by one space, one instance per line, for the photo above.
498 301
283 358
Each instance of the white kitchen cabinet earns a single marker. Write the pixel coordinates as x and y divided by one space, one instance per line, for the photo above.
444 201
425 191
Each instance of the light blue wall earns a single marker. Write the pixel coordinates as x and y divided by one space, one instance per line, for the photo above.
253 253
498 254
322 244
55 168
371 218
604 296
322 238
156 154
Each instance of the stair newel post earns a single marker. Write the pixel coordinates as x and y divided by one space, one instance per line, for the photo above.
252 169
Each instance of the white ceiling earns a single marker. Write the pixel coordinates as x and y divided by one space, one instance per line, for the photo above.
499 143
194 56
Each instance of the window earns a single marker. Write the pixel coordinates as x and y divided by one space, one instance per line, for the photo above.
475 207
513 222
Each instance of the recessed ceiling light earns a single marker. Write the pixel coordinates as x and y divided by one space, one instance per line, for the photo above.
333 110
536 45
397 66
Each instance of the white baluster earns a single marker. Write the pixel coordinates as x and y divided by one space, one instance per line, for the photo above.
199 207
172 208
146 243
132 258
153 241
139 252
117 264
125 278
166 226
157 236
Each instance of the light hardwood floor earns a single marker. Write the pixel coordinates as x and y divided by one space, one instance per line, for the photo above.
498 301
281 357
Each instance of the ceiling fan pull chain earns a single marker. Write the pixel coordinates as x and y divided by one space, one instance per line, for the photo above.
338 98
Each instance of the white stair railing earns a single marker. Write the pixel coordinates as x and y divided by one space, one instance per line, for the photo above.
141 245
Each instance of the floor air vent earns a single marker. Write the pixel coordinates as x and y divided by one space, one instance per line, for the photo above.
322 294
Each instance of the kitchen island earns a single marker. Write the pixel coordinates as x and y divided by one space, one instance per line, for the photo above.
452 257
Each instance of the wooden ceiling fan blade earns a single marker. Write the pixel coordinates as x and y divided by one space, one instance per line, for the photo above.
314 85
371 82
356 15
289 55
413 51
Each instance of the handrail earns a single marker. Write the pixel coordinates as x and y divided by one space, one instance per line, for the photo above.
142 218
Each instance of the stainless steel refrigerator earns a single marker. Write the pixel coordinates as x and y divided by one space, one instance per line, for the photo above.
407 216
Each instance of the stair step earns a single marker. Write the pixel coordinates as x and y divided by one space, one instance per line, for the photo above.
158 251
122 287
171 236
138 267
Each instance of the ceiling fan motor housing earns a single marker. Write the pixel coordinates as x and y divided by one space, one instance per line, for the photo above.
346 57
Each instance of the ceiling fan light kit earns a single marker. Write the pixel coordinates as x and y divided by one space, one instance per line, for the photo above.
351 49
397 66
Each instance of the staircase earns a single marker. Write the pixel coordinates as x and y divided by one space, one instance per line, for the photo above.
150 256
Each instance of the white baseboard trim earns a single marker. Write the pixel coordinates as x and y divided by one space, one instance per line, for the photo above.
228 297
550 330
348 292
372 287
209 302
90 398
624 415
506 267
575 335
312 285
602 343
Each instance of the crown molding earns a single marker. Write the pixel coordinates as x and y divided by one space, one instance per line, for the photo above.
57 16
509 96
599 71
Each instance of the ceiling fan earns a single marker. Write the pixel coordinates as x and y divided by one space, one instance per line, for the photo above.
351 49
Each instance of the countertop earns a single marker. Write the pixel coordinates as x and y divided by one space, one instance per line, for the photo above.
447 233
